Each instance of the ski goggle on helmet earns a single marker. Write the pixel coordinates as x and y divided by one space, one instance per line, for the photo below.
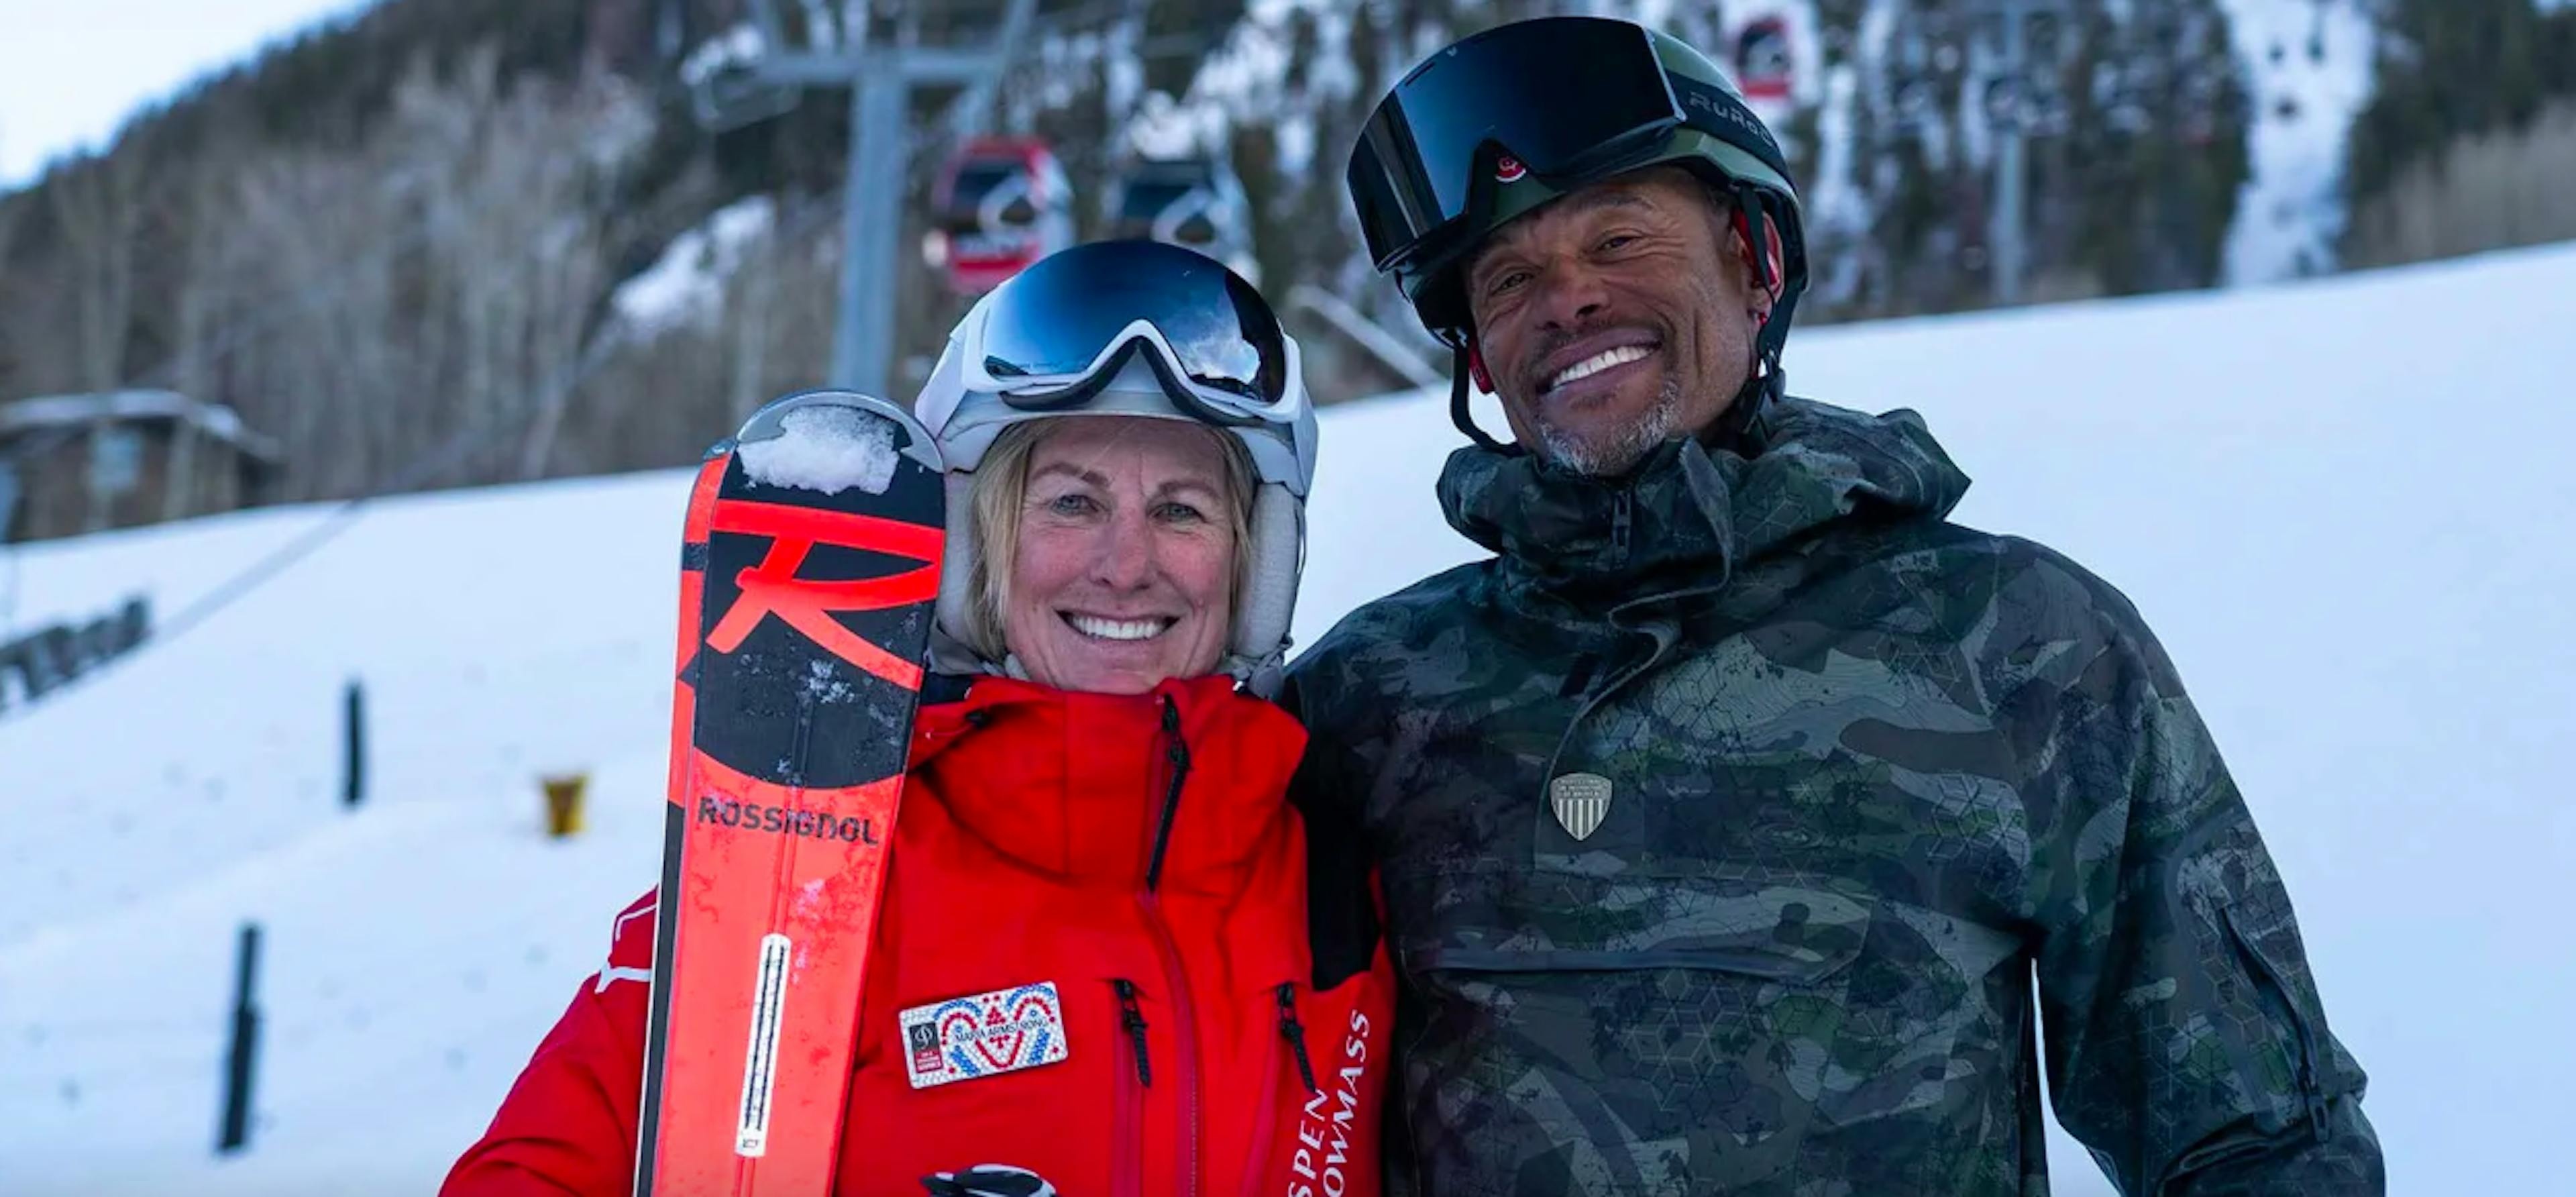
1125 328
1132 328
1516 116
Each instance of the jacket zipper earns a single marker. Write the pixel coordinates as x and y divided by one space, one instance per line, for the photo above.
1127 1178
1664 632
1177 754
2307 1040
2203 1159
1295 1033
1291 1040
1620 517
1131 1019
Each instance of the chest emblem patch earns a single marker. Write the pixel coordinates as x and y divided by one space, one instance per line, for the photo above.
1581 801
984 1035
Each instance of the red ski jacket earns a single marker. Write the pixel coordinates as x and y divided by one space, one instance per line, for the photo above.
1149 940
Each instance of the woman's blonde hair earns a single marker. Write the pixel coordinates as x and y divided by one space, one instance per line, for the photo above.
1001 490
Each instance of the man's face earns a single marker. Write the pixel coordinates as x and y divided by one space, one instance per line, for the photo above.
1615 319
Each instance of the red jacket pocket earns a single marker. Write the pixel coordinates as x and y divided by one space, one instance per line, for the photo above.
1326 1143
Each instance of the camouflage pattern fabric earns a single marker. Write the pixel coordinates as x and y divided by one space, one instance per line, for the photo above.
1870 772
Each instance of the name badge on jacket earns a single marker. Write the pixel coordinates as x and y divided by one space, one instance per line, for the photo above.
987 1034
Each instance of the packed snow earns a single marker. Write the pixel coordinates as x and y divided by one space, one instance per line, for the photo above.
739 45
685 286
824 448
2352 547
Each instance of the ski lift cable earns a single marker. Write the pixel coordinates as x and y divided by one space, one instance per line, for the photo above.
1352 323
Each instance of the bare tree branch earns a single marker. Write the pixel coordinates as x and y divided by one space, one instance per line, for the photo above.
98 203
10 215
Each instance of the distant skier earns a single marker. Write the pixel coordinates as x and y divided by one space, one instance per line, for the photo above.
1728 813
1096 970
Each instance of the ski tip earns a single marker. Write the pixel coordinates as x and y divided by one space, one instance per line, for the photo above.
780 417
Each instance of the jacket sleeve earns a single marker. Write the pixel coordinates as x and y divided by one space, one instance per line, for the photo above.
2187 1046
568 1124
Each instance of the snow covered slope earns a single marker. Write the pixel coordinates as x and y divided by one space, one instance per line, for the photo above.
2341 504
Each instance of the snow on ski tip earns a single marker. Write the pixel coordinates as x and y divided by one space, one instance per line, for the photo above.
824 447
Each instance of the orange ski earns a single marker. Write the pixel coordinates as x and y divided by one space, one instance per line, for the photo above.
809 571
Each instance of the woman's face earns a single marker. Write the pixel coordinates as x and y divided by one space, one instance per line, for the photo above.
1124 569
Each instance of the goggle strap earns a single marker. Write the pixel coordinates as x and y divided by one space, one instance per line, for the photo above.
1459 413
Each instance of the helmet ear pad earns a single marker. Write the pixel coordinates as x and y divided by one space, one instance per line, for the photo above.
1276 555
948 639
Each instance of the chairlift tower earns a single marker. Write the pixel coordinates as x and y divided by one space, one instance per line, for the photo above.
2007 109
881 79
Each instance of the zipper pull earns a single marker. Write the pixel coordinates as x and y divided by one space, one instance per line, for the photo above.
1619 516
2317 1123
1178 749
1132 1018
1295 1034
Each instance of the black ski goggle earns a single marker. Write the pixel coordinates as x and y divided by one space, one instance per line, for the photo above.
1560 97
1060 330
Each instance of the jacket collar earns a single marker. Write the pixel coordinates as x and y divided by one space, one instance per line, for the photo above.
1689 515
1075 784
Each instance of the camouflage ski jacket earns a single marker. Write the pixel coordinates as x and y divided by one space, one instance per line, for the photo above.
1726 815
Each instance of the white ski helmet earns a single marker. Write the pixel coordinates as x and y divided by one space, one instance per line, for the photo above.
1136 328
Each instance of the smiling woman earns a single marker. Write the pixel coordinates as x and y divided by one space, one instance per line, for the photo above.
1103 916
1157 361
1110 550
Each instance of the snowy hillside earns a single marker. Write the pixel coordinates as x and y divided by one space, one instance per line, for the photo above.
2353 543
2310 70
1881 104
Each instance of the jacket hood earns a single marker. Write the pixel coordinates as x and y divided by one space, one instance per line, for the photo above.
1689 512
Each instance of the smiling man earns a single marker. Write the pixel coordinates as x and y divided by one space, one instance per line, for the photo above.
1730 814
1613 321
